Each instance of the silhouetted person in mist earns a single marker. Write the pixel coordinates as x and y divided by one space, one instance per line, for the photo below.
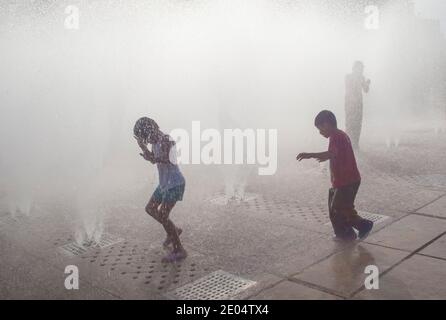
355 84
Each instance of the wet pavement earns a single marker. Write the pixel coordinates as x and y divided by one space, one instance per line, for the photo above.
277 244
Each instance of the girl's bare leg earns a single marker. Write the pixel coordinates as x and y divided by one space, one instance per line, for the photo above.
160 212
154 210
169 226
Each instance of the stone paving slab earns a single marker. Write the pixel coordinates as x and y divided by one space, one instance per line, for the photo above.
409 233
416 278
436 249
436 208
343 272
288 290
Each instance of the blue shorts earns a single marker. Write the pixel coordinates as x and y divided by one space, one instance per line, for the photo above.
171 195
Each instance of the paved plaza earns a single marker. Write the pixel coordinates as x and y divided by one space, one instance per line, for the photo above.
276 244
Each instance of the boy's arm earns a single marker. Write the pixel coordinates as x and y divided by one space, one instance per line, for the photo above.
320 156
323 156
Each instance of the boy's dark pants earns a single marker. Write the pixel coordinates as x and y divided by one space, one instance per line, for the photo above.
341 206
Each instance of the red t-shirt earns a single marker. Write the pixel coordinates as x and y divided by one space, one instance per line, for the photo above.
343 168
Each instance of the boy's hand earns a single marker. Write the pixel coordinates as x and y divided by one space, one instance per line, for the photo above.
302 156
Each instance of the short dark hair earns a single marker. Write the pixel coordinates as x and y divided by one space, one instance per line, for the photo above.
326 116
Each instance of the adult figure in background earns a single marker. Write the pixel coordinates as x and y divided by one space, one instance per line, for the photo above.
355 84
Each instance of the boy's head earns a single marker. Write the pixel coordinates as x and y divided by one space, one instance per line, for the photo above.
146 129
326 123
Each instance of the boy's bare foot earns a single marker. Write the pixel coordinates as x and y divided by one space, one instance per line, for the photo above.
168 240
175 256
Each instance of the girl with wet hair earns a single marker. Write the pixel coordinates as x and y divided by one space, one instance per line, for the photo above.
171 182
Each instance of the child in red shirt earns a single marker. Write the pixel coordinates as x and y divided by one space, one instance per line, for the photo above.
345 179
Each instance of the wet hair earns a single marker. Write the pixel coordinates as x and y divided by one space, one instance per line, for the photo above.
144 127
326 116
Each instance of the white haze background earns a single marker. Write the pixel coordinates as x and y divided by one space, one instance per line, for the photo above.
69 98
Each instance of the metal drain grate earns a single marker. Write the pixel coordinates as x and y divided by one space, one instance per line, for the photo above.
218 285
108 240
73 249
61 240
12 221
223 200
315 215
376 218
76 249
289 210
141 263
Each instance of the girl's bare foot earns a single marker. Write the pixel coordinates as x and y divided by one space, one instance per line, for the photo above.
168 240
175 256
